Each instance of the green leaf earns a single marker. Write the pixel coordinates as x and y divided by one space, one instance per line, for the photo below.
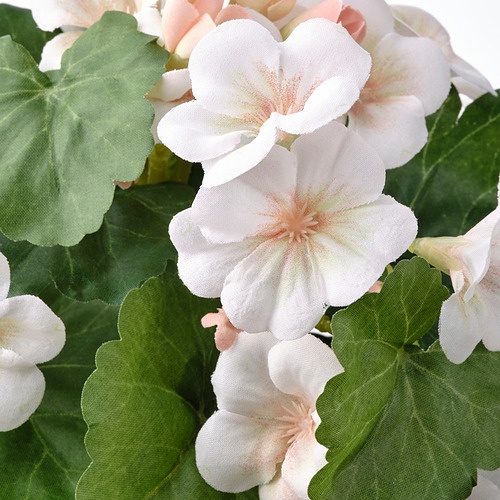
44 458
19 24
67 134
149 396
452 183
131 246
402 422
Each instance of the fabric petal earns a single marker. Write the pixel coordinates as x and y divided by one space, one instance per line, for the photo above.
275 289
277 488
353 252
210 7
203 267
237 210
149 22
172 85
4 277
302 367
21 389
484 490
196 134
188 42
230 67
54 49
241 379
394 126
30 328
178 17
235 453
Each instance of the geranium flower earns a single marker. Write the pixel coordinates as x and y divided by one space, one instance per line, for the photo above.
30 333
472 313
225 332
302 229
263 432
75 16
414 21
252 92
487 487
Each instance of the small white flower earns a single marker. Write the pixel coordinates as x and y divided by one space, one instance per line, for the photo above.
30 333
252 92
300 230
263 432
487 487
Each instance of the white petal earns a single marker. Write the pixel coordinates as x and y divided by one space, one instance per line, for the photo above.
4 277
172 85
235 452
229 65
241 379
302 367
394 126
30 328
236 210
196 134
21 389
276 289
318 50
353 252
277 489
149 22
484 490
243 158
264 21
203 267
55 48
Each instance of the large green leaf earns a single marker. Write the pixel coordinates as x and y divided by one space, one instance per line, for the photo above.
44 458
402 422
452 183
67 134
19 24
149 396
131 246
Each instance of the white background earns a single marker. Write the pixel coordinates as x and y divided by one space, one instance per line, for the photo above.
474 27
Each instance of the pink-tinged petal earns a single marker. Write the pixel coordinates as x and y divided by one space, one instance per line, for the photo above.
277 289
210 7
484 490
394 126
21 389
4 277
230 13
197 134
235 453
178 17
257 5
277 488
229 166
345 168
353 252
230 68
461 325
318 50
237 210
354 22
149 22
55 48
225 332
188 42
202 267
264 21
30 328
302 367
280 9
241 379
340 93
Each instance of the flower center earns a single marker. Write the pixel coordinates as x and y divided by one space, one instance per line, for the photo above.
296 223
297 421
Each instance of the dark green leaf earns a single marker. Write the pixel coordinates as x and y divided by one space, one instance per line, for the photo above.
66 135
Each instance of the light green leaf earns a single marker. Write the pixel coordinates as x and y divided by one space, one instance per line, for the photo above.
44 458
402 422
452 183
149 396
131 246
66 135
19 24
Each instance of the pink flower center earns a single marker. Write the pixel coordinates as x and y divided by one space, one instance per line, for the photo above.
297 421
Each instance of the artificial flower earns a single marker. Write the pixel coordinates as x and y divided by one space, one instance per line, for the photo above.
74 16
252 92
472 313
414 21
302 229
263 431
225 332
272 9
487 487
30 333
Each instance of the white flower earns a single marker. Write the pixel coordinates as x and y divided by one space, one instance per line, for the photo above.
263 432
74 16
472 313
487 487
301 229
252 92
30 333
415 21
